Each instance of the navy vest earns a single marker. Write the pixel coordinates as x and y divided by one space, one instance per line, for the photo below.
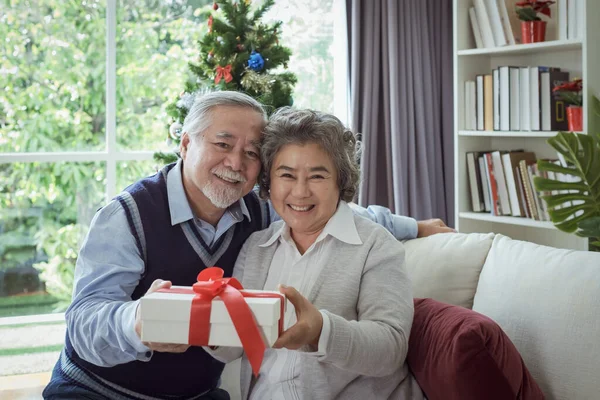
170 256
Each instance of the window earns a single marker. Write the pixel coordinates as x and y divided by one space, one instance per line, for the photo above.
308 31
84 89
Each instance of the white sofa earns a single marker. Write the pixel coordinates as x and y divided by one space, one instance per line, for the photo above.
547 300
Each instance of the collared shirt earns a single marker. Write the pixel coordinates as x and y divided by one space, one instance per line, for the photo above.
300 271
101 318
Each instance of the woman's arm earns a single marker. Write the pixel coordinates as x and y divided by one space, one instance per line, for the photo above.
376 344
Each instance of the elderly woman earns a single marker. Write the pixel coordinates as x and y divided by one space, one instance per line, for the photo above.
347 334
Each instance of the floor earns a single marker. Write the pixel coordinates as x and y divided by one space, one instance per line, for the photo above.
28 353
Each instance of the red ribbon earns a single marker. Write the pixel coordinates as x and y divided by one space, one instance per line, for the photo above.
211 284
223 72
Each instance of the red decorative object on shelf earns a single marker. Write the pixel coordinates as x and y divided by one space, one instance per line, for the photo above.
533 27
533 31
575 118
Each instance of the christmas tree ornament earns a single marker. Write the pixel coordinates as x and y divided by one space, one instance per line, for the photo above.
256 61
223 73
175 130
238 38
240 47
215 6
210 23
260 83
220 39
210 56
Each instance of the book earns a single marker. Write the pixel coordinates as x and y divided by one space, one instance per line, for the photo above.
515 98
496 208
488 103
485 187
562 19
476 189
504 97
480 103
510 162
553 108
501 187
506 22
496 98
484 23
524 103
528 189
476 29
493 12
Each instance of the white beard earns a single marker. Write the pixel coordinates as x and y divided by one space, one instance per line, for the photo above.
223 196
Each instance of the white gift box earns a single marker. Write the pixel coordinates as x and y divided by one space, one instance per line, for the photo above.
166 318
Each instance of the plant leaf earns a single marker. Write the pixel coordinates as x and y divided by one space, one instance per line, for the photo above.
557 200
578 200
545 184
590 227
550 166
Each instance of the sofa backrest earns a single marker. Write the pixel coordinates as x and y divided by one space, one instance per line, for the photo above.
446 267
547 300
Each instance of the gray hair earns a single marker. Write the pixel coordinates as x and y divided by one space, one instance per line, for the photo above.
288 126
199 119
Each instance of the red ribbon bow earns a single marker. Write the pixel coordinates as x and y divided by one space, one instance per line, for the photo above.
223 72
212 284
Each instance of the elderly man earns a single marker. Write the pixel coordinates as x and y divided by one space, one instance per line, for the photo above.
190 215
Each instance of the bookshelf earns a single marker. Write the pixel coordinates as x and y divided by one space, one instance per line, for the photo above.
580 57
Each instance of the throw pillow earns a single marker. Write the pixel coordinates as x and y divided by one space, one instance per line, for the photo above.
458 354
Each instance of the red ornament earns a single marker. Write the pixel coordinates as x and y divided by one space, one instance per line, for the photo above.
210 23
240 47
223 72
215 6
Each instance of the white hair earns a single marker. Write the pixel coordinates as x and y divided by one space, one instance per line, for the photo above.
198 118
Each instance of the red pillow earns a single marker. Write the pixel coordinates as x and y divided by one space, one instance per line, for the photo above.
458 354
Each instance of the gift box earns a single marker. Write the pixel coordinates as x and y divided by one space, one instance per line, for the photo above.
166 316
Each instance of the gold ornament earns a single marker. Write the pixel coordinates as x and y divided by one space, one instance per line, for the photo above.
257 82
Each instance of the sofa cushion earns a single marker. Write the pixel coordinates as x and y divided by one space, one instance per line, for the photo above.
458 354
446 266
548 302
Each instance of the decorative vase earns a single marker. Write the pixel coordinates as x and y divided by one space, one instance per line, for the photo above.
575 118
533 31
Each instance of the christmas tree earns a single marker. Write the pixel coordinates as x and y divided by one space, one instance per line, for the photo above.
239 53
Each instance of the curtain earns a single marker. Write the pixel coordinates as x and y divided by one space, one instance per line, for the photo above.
400 74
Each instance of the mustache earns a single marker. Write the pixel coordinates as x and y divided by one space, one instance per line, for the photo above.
229 174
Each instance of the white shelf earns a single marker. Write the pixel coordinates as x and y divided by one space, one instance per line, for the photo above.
507 220
500 134
580 57
542 47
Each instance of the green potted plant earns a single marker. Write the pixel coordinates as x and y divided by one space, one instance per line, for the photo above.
570 93
574 206
533 28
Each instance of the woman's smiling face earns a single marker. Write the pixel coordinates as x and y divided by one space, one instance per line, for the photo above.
304 189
